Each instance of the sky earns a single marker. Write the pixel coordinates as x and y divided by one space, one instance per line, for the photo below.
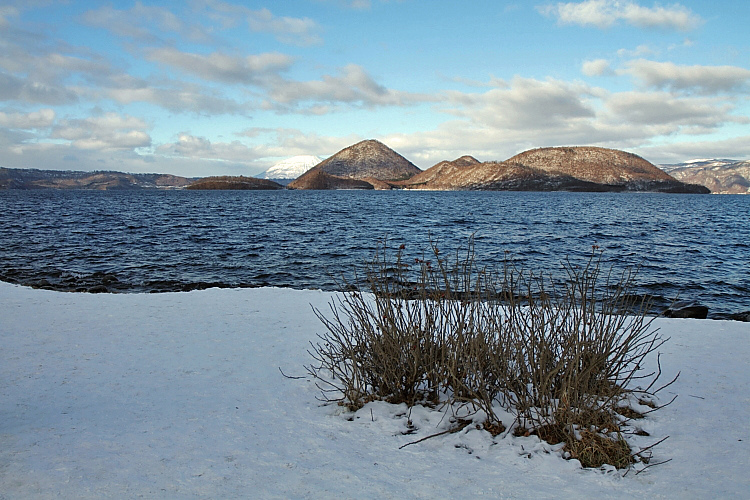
211 87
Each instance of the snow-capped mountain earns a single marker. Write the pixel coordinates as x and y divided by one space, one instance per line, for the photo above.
700 163
291 168
721 176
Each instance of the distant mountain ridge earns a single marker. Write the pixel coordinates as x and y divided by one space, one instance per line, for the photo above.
579 168
702 162
370 164
721 176
22 178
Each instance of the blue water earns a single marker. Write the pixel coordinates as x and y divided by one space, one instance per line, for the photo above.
692 247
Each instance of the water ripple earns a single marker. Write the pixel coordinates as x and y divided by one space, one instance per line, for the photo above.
691 247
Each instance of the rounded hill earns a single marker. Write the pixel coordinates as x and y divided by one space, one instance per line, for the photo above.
368 158
592 164
233 183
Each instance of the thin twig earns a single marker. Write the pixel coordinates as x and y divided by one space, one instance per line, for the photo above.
660 406
649 447
458 428
289 376
668 384
653 465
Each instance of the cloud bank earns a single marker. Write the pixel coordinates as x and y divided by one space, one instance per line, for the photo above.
604 14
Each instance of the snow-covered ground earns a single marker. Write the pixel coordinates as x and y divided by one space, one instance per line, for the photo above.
179 395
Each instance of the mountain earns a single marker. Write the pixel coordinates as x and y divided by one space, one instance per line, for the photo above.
366 159
553 169
720 176
373 165
31 178
320 180
609 167
497 176
697 163
291 168
444 170
229 182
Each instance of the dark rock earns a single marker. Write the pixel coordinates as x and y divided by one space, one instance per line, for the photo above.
695 311
109 278
743 316
98 289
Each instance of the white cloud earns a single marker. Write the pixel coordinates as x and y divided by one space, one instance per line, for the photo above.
527 113
43 71
291 30
18 151
39 71
686 43
106 132
606 13
175 96
673 17
150 23
222 67
702 79
526 104
61 65
7 11
199 148
290 142
301 31
365 4
15 88
641 50
597 67
114 140
734 147
141 22
662 108
591 12
351 4
351 86
25 121
515 115
360 4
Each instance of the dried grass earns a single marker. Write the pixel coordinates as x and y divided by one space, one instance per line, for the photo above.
558 356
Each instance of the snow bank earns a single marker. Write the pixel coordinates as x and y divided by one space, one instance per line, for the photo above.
180 395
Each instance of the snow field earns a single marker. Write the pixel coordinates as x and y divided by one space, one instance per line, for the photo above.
179 395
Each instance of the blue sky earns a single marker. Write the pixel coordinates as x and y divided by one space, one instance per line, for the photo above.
208 87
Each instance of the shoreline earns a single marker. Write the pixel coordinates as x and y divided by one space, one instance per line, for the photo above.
656 311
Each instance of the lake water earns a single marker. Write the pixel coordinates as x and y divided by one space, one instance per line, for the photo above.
692 247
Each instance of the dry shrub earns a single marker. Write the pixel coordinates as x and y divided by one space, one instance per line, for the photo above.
594 449
379 345
559 356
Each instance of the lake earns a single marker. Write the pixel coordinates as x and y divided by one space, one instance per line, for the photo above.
692 247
